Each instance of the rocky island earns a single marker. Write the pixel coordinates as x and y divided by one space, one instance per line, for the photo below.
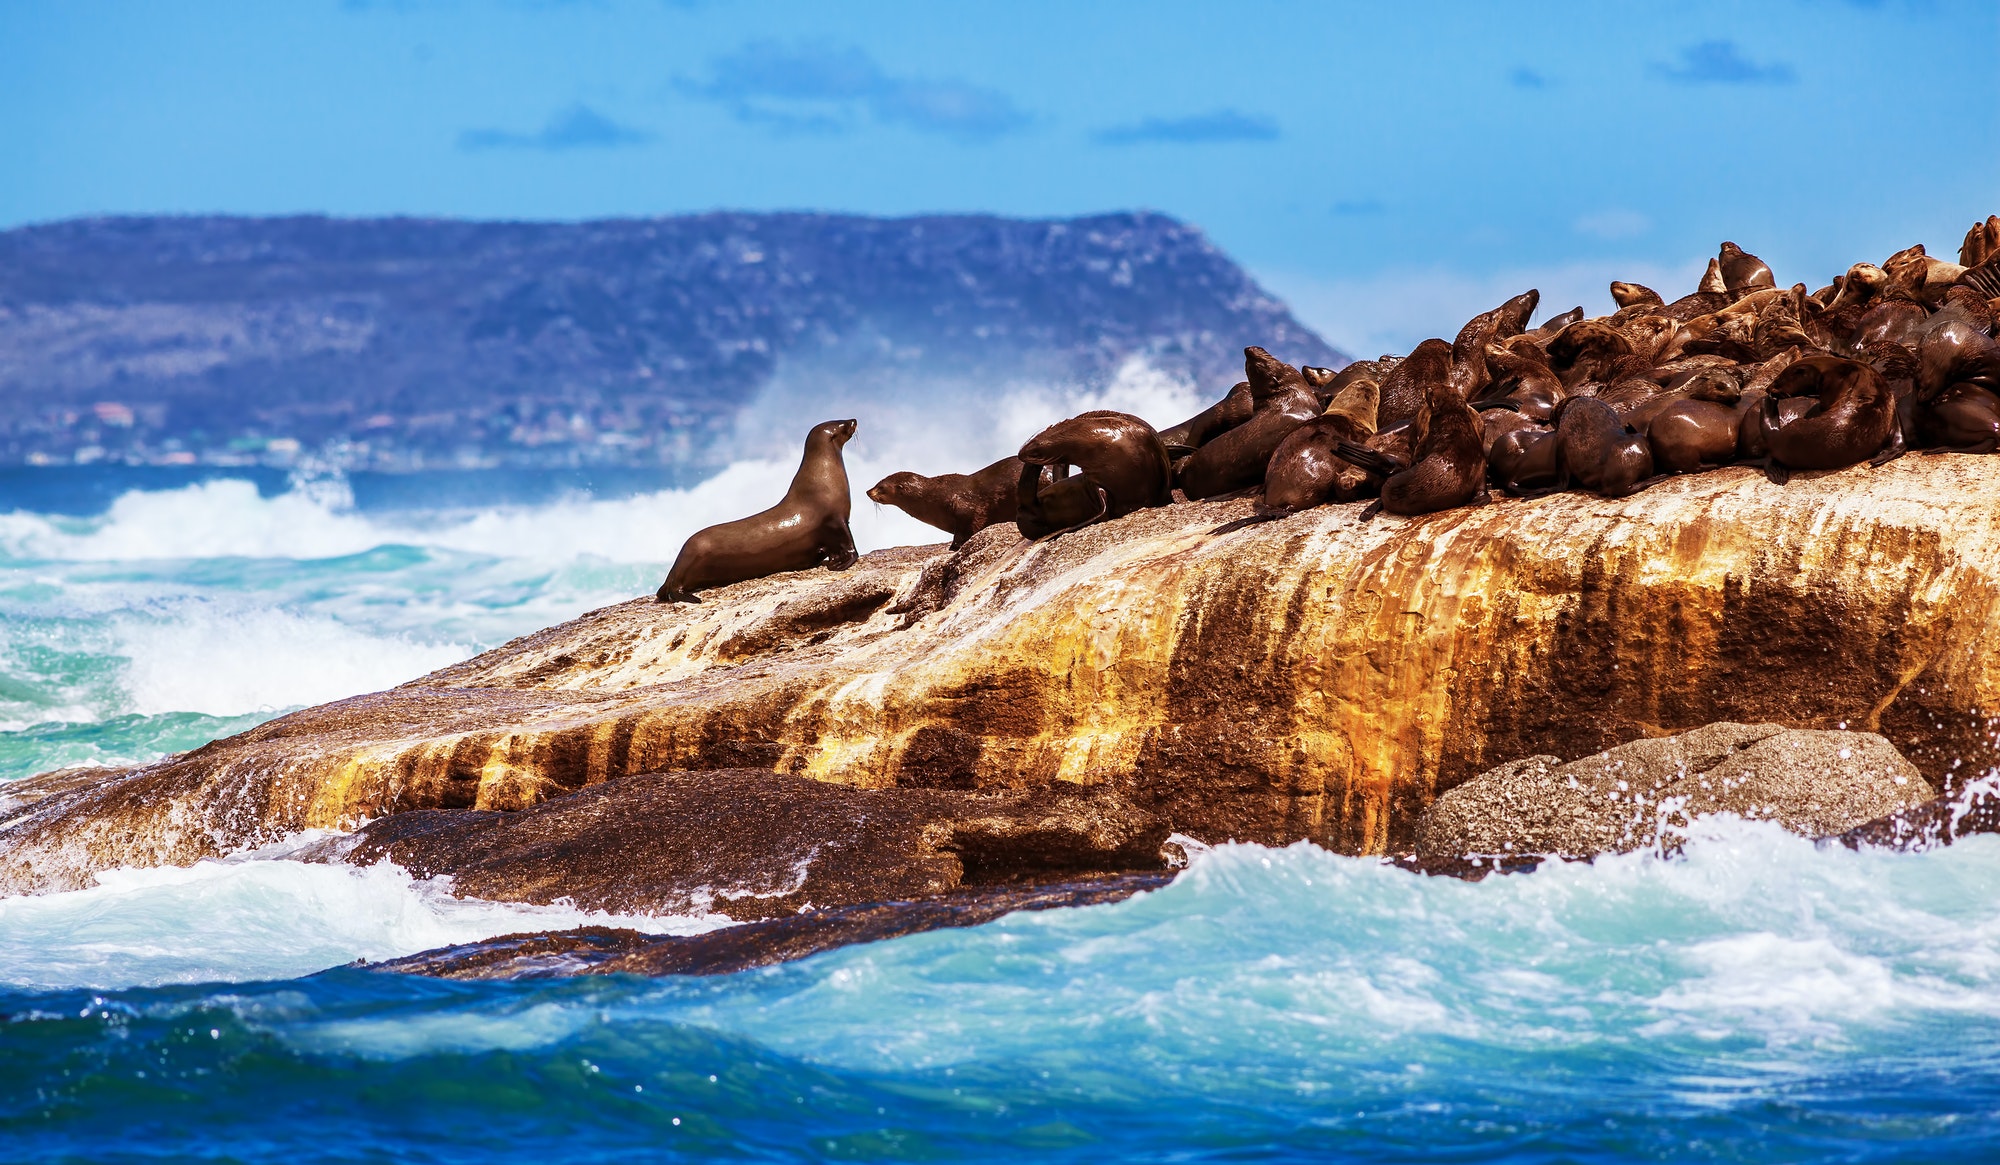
1016 715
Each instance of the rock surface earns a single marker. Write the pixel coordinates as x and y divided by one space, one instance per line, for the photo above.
600 950
1641 795
1317 677
755 844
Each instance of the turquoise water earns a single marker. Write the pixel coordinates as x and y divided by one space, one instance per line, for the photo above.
1755 999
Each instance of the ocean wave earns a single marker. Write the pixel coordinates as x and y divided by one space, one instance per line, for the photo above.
227 518
245 920
223 659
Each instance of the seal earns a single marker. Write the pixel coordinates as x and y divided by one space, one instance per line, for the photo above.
1634 295
1595 449
1307 468
806 529
1448 460
1963 419
1852 421
1220 417
960 504
1524 379
1690 434
1981 243
1742 271
1587 350
1523 461
1410 383
1123 467
1238 458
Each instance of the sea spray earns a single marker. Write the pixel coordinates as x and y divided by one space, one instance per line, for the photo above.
1756 998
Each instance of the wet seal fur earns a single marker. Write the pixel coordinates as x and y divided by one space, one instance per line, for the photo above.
1853 420
1238 458
960 504
1307 468
1122 463
1447 466
1598 450
806 529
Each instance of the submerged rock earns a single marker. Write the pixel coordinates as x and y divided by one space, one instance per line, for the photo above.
756 844
612 951
1317 677
1641 795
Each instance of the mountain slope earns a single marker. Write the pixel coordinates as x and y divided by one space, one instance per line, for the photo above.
406 342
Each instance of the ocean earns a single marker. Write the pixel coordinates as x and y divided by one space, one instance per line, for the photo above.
1755 998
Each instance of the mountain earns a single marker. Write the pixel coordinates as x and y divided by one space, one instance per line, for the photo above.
403 343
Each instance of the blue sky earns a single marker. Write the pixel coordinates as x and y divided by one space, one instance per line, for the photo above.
1387 167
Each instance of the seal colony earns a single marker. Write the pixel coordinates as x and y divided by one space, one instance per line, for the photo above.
1885 359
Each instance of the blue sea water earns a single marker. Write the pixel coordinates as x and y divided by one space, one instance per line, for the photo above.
1755 998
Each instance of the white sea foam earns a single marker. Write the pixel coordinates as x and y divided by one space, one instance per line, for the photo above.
257 919
225 659
954 432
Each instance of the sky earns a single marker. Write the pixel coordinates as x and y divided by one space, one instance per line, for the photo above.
1387 168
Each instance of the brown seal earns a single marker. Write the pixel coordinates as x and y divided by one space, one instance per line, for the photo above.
1307 468
1587 350
1220 417
1981 243
1742 271
961 504
1448 460
1690 433
1853 419
806 529
1524 379
1595 449
1410 383
1238 458
1634 295
1122 464
1962 419
1523 461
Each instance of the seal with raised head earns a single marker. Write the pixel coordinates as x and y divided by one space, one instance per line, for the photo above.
806 529
1122 464
1853 419
1742 271
1238 458
961 504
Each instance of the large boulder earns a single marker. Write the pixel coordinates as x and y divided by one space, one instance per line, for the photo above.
1317 677
1644 794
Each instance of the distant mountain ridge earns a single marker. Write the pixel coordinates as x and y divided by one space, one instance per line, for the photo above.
404 343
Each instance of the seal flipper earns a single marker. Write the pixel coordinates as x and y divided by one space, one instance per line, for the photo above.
1894 449
1774 472
663 595
1362 457
1103 509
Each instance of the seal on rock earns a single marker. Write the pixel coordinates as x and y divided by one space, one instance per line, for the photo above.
1122 463
806 529
1307 468
1597 450
1218 418
961 504
1448 460
1852 421
1238 458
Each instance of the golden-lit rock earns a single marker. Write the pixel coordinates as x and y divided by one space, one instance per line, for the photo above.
1316 677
